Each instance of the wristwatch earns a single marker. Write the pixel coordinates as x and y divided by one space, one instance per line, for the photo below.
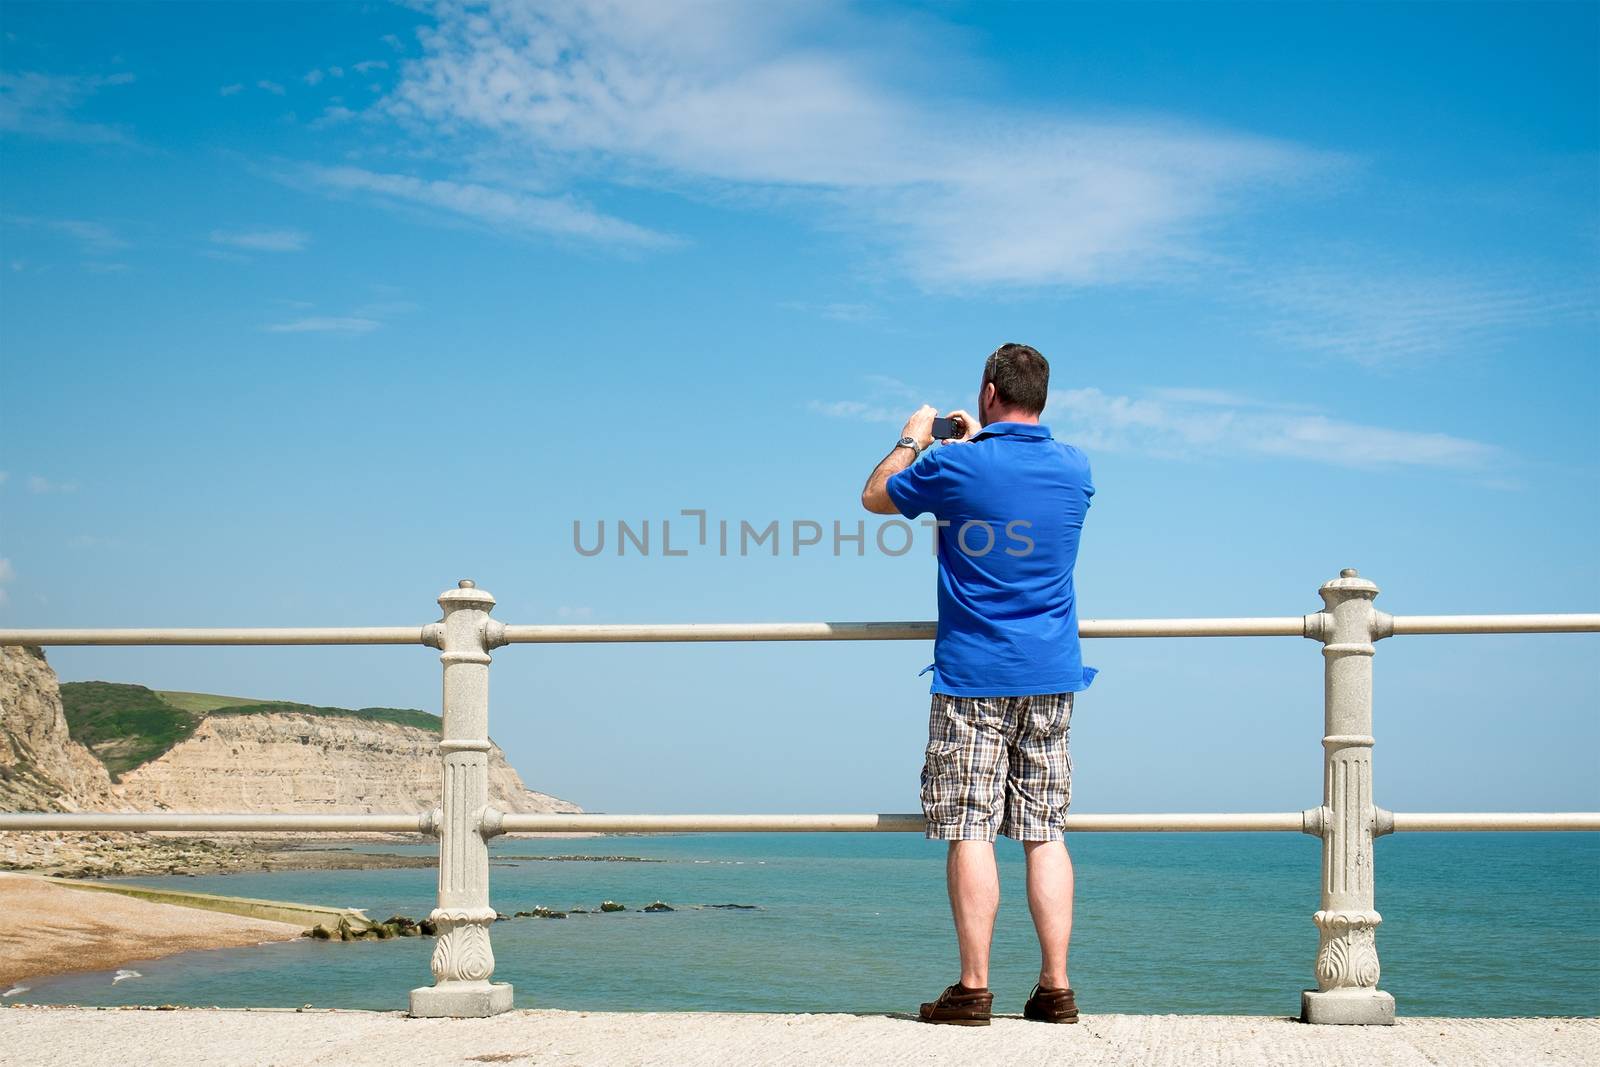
911 443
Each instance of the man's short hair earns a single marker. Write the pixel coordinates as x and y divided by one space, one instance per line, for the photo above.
1021 377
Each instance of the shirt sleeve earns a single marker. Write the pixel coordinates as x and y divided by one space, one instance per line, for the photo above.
920 487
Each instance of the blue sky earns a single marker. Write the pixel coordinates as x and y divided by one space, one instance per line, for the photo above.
307 311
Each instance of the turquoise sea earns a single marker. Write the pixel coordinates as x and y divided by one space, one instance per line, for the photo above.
1474 924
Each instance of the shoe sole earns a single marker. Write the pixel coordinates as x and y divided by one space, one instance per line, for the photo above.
955 1022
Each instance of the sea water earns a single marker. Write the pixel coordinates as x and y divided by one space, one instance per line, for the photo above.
1473 925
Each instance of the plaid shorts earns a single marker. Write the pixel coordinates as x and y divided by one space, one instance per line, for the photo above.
997 764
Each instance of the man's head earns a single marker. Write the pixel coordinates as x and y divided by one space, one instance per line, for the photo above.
1016 381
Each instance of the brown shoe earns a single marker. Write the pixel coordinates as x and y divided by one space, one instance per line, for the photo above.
960 1006
1051 1006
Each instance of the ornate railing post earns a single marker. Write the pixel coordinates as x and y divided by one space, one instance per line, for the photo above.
1347 956
462 957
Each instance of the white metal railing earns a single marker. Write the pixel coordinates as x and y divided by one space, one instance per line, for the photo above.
500 634
1347 822
221 822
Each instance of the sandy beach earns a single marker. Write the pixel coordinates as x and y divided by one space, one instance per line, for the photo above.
53 929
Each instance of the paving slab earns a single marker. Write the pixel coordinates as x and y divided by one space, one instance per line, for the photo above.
89 1036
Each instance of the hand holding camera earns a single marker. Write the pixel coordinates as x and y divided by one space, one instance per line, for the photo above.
926 425
956 426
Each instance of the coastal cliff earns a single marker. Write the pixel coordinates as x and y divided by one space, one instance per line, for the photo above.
310 762
41 767
116 747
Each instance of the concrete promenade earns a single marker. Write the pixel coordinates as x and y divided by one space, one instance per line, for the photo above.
88 1036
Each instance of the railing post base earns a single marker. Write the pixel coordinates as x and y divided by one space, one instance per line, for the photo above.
1347 1007
460 1000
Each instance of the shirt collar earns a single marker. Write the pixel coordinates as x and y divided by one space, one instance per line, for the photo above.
1013 429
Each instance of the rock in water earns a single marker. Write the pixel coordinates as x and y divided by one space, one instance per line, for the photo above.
658 906
611 905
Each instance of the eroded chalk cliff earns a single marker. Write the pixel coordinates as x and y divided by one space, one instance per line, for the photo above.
41 767
289 762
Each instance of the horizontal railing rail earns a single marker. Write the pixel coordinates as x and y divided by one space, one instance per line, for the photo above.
1495 820
218 822
621 633
203 635
1405 625
1347 822
495 822
1307 822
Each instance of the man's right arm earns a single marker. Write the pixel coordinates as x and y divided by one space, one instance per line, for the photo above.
875 495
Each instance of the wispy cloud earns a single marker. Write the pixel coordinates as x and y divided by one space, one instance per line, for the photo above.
262 240
1381 315
1179 426
502 209
8 574
884 400
94 238
1185 423
355 321
349 324
334 115
39 484
366 66
742 98
859 410
270 87
839 311
43 105
231 90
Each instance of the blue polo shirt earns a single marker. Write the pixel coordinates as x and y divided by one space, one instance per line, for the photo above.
1014 498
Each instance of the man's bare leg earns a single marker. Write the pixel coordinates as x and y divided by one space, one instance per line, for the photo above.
1050 885
974 885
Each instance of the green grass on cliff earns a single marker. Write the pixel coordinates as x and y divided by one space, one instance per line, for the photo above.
124 725
200 703
127 725
404 716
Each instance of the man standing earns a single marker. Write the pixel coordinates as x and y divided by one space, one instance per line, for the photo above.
1009 501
